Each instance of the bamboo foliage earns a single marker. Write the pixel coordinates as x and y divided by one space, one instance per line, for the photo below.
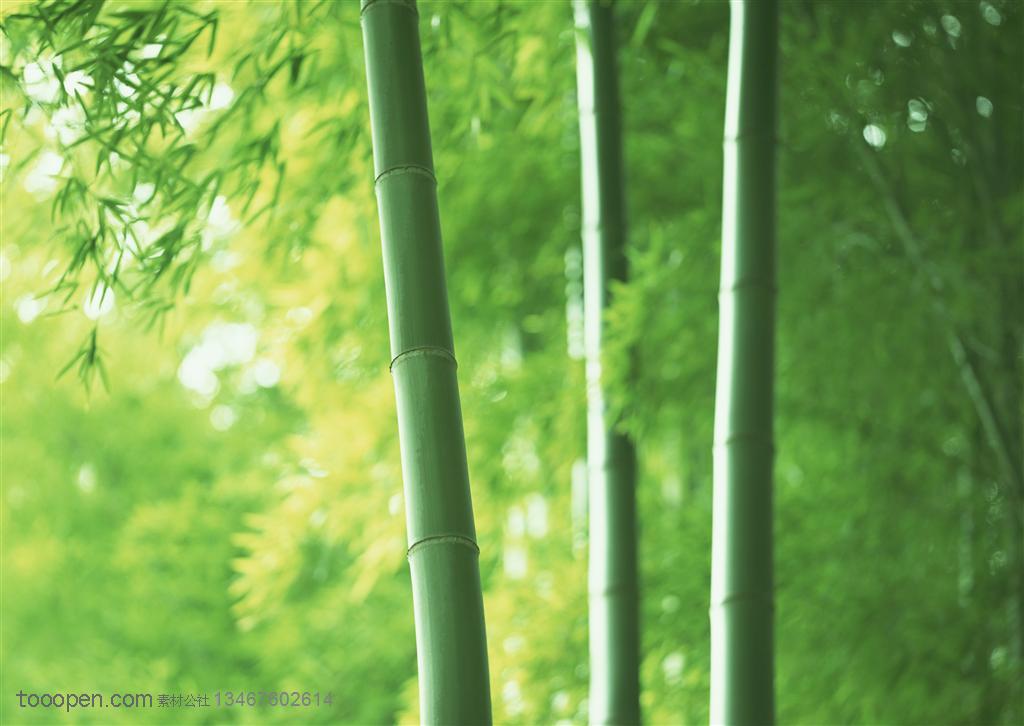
613 607
443 553
742 690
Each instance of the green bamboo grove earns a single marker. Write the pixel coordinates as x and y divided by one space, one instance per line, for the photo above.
742 690
611 461
301 490
451 642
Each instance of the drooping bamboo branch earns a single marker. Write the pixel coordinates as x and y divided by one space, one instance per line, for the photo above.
613 613
742 688
451 643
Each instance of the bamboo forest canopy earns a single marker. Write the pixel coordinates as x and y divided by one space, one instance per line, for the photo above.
202 488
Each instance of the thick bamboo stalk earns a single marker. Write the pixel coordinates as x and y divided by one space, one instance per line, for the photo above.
742 688
613 614
451 643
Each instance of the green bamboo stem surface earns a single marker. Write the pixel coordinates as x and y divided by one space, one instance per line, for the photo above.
742 689
451 643
611 460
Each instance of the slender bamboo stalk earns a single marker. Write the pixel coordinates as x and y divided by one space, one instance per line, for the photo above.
451 643
742 688
611 458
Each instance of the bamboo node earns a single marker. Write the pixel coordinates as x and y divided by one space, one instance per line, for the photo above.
765 599
750 282
405 169
443 539
751 134
410 4
756 437
433 350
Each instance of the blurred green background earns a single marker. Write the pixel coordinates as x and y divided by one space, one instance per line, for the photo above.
225 513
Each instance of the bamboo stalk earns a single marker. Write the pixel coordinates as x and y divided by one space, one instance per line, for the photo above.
613 613
742 689
451 643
